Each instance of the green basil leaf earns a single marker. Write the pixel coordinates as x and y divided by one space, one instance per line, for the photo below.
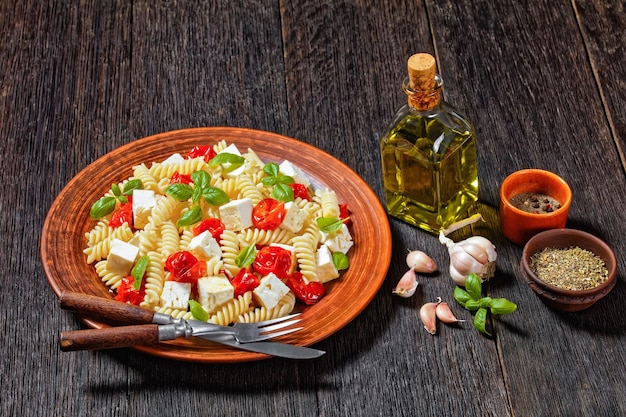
480 321
197 311
461 296
502 306
473 286
179 191
215 196
227 158
191 217
329 224
201 179
485 302
246 256
116 190
132 185
472 305
102 207
282 193
341 261
196 195
271 169
123 199
139 270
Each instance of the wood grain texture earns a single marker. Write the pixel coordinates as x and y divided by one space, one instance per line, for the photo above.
542 81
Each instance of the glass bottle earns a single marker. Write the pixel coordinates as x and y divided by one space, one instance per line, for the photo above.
428 154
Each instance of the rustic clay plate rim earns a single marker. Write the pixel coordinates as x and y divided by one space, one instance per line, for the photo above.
62 239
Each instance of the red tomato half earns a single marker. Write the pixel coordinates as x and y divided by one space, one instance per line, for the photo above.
181 265
309 293
344 213
127 293
268 214
244 281
273 259
180 178
299 190
205 151
213 225
122 215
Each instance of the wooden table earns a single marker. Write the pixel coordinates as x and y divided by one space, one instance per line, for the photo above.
543 82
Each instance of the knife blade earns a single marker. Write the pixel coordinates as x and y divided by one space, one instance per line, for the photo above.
277 349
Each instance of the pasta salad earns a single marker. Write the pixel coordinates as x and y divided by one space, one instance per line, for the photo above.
218 235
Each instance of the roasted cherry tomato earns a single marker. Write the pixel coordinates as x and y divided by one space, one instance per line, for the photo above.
268 214
299 190
309 293
213 225
124 214
344 213
205 151
127 293
273 259
180 178
244 281
182 266
193 274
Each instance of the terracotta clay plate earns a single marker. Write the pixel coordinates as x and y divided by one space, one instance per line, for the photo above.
63 240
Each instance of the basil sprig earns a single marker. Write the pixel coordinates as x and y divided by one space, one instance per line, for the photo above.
106 205
471 299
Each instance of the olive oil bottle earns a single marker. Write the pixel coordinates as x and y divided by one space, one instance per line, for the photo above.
428 154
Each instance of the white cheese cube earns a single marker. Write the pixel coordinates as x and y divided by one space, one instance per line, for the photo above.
237 214
235 151
121 257
326 270
143 201
270 291
204 246
214 292
289 169
339 241
294 218
174 159
175 294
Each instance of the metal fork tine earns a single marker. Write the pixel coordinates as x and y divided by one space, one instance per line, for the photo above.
265 336
265 329
277 320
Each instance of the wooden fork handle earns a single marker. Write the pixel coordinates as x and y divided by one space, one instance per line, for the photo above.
105 308
109 338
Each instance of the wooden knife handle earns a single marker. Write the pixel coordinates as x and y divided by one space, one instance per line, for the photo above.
110 337
105 308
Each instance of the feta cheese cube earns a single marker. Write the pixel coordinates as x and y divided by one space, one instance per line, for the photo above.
121 257
175 294
294 217
339 241
174 159
214 292
237 214
235 151
289 169
326 270
270 291
143 201
204 246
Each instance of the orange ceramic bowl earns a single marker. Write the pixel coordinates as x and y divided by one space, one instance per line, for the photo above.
518 225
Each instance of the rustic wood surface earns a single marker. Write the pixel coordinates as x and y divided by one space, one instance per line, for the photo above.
543 81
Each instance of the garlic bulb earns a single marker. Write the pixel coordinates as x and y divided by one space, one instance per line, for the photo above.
475 254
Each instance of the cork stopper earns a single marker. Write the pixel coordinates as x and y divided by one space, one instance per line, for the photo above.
423 91
422 71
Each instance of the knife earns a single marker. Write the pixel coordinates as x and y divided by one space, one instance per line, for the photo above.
162 327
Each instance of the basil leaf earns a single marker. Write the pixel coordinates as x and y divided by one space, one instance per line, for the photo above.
341 261
123 199
472 305
271 169
502 306
132 185
102 207
282 193
192 216
197 311
473 286
461 296
139 270
215 196
480 321
196 195
246 256
179 191
485 302
116 190
201 179
227 158
329 224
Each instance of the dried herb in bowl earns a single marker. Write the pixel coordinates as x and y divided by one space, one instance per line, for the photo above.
572 268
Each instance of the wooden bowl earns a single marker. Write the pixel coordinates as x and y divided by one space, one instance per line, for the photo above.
518 225
559 298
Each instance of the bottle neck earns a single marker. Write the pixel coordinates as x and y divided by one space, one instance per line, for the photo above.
423 99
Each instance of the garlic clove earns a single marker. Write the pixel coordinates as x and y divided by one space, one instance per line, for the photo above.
444 313
428 315
407 285
465 263
420 262
476 251
486 244
457 277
